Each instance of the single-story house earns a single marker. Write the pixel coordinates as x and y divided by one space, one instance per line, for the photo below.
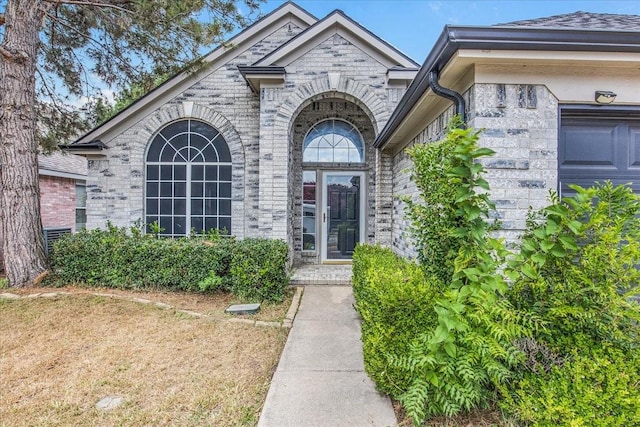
62 195
297 131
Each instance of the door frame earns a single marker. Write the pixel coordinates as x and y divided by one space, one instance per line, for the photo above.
324 213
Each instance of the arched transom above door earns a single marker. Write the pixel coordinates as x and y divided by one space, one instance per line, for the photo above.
333 141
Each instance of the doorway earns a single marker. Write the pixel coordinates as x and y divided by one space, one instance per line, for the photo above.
342 214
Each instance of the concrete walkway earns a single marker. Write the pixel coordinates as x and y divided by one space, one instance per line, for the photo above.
320 380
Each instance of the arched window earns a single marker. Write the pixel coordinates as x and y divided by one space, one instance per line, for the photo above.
333 141
188 179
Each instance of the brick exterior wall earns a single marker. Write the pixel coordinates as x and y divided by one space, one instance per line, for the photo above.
58 202
115 186
57 205
334 69
261 132
520 123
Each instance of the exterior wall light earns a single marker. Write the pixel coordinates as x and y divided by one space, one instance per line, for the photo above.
605 96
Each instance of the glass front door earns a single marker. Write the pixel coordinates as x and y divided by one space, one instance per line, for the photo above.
342 214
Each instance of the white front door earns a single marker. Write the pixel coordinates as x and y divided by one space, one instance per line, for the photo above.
342 214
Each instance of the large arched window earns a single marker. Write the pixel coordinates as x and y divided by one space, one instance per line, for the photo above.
188 179
333 141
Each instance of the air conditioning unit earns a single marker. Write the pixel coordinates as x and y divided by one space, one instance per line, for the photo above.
53 234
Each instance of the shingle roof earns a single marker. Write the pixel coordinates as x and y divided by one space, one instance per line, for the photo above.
586 20
62 162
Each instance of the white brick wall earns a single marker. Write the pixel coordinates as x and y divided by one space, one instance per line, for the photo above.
258 129
520 123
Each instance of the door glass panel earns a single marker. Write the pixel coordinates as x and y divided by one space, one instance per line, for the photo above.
343 208
309 210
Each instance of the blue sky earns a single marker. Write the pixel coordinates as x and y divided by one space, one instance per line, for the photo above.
414 25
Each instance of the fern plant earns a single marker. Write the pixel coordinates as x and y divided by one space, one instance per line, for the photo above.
577 268
457 365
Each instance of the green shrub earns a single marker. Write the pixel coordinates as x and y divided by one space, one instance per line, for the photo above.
251 268
448 209
576 269
111 258
395 302
593 388
568 320
259 270
449 354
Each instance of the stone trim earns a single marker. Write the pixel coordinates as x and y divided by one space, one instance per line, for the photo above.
277 127
347 89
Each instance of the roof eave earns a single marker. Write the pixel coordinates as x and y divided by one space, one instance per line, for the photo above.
255 75
61 174
454 38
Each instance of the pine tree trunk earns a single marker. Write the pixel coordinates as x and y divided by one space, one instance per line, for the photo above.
23 241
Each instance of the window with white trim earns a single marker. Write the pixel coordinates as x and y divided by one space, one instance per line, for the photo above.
333 141
81 205
188 180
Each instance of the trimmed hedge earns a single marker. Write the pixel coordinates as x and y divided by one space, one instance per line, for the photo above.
259 269
395 302
112 258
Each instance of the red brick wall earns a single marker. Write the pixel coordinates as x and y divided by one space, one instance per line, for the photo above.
58 202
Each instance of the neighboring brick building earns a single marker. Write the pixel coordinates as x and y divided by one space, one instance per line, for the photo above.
298 131
62 190
62 200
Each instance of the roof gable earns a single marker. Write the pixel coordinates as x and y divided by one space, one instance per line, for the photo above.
585 20
288 12
337 23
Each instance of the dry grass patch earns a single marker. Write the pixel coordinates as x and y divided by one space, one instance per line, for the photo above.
62 355
210 304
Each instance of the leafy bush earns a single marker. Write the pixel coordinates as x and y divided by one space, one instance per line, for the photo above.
576 269
112 258
594 388
448 209
552 346
395 302
466 344
259 270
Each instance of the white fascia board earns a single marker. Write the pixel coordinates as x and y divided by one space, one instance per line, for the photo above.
542 56
177 84
258 81
336 23
401 76
58 174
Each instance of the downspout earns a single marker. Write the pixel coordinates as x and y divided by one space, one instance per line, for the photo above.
449 94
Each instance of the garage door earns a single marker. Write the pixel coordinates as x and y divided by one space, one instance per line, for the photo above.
599 144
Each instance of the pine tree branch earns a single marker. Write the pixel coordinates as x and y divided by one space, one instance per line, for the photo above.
113 4
103 46
1 19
